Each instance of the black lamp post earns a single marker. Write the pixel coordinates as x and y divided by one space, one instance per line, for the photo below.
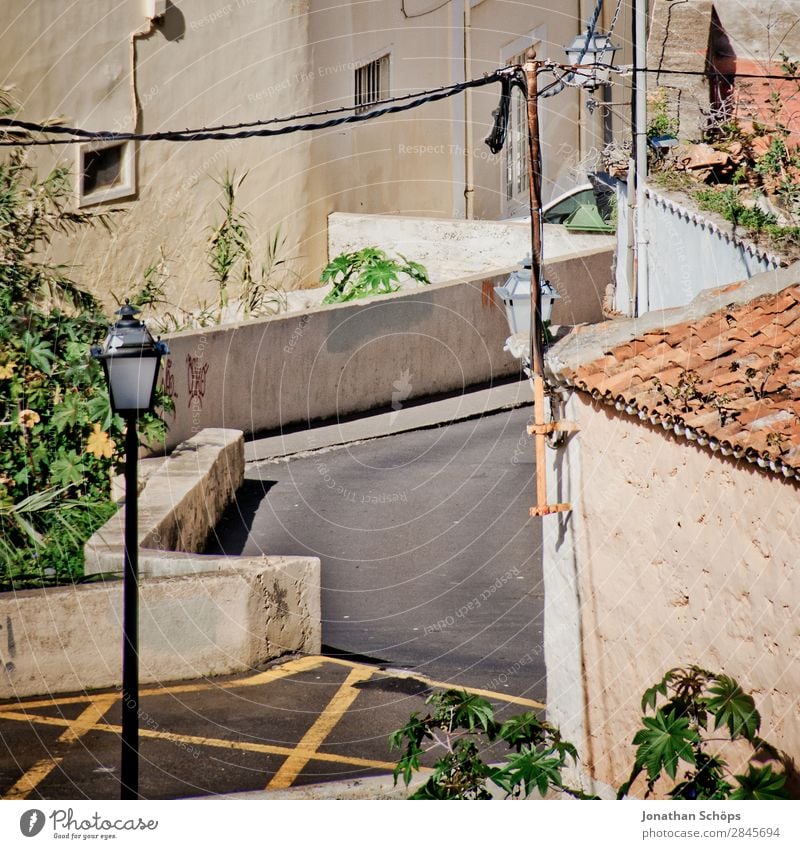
131 359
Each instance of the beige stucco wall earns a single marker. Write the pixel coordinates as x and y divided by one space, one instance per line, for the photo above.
670 556
207 63
100 65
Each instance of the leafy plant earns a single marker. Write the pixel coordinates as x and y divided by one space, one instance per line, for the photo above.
367 272
230 256
525 754
680 732
464 726
659 122
59 442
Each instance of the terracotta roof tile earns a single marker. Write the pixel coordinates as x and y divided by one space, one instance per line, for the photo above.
731 378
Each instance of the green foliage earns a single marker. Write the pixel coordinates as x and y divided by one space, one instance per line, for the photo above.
464 726
59 442
231 259
525 754
679 733
367 272
658 121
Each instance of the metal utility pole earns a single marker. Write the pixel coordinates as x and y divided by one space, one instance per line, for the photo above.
640 295
539 429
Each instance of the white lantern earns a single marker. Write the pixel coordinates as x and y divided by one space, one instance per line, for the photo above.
516 297
588 50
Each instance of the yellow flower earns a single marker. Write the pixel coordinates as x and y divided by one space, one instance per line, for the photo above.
6 371
100 443
28 418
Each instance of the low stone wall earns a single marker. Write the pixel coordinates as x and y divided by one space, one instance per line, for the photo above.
178 507
199 615
70 638
290 370
455 248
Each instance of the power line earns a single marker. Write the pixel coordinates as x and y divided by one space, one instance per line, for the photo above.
564 81
410 17
712 71
388 106
255 129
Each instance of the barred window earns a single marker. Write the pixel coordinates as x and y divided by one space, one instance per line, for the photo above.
371 83
516 163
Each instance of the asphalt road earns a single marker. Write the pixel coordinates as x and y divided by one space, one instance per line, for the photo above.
430 561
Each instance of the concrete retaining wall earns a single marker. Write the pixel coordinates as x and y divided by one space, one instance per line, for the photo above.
452 248
179 506
199 615
334 361
70 638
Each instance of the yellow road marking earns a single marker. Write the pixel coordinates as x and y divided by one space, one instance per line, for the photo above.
291 667
296 757
444 685
31 779
319 731
263 748
300 664
88 719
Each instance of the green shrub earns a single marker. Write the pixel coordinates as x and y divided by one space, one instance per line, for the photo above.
367 272
525 753
59 442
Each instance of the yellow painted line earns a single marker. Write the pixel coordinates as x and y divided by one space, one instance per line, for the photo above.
34 719
291 667
488 694
263 748
51 702
88 719
32 778
76 728
442 685
269 749
319 731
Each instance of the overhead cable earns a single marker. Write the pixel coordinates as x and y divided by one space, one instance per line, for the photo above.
254 129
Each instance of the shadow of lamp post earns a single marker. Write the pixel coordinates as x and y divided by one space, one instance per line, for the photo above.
130 358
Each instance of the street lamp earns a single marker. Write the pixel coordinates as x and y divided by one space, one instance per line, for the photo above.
516 297
588 50
130 358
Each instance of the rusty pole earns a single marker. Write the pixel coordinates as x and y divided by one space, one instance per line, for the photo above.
535 193
540 428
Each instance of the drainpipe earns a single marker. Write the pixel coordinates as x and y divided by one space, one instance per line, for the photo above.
458 132
144 32
469 165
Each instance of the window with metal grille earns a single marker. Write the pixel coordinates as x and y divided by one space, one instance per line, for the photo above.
516 163
371 83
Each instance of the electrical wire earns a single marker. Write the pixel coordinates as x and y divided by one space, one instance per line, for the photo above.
392 105
255 129
420 14
590 31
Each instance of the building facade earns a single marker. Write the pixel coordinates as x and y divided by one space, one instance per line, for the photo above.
147 65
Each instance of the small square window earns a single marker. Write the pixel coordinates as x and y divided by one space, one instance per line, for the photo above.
371 83
105 172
